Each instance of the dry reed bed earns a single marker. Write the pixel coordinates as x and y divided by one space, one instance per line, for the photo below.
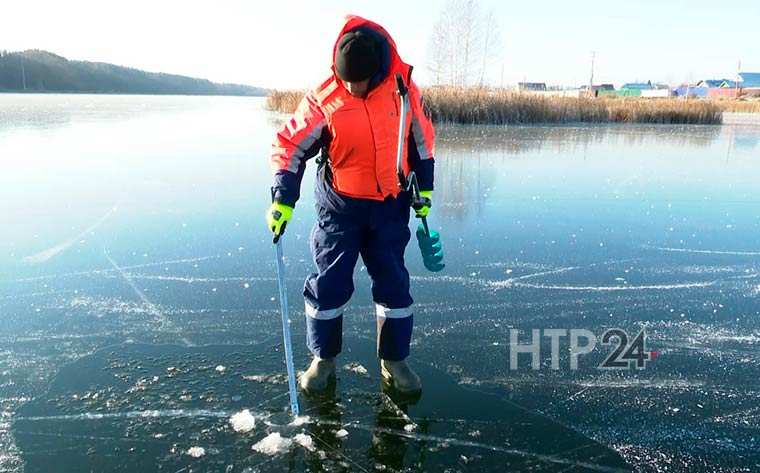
740 106
500 107
284 101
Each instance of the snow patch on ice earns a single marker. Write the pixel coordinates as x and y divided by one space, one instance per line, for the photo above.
267 378
272 444
243 421
196 452
301 420
356 368
305 441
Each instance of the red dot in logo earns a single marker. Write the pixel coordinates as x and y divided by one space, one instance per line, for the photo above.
652 355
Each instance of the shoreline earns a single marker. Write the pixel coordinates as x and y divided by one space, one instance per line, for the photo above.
288 101
156 94
483 106
741 118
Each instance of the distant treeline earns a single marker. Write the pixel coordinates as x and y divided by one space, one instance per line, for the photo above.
41 71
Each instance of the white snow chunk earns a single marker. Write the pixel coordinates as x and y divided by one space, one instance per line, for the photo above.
267 378
305 441
220 368
243 421
356 368
272 444
196 452
341 433
301 420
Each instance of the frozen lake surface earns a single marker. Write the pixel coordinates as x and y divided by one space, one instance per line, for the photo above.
139 311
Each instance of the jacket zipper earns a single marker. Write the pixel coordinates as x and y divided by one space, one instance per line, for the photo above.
374 149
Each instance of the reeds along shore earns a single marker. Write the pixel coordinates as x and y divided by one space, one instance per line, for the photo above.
501 107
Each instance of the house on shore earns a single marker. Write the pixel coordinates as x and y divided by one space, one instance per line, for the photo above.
710 83
644 89
531 87
748 84
701 89
597 90
749 80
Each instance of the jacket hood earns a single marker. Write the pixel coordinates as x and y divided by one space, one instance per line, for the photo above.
391 59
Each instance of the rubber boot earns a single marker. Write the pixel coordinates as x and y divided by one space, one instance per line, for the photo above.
317 377
400 376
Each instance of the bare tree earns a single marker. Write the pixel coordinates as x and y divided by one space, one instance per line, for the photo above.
492 44
439 51
463 44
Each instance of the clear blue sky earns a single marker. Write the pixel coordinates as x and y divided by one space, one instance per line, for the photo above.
287 43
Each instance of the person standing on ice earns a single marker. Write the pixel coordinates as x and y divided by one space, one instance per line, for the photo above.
352 118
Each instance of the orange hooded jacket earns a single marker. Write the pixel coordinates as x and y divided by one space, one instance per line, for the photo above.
359 135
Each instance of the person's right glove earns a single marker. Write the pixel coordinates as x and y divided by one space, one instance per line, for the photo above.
278 217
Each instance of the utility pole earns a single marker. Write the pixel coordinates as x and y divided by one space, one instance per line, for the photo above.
738 77
591 80
688 87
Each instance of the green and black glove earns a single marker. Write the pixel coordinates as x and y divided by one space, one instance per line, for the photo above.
278 217
423 209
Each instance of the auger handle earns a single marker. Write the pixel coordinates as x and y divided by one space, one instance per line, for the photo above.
400 86
402 92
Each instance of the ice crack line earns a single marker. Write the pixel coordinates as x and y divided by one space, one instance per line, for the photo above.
152 308
703 252
53 251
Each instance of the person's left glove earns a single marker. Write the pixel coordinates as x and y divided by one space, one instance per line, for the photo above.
422 208
278 217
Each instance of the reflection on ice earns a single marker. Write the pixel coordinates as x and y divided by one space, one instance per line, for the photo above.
433 429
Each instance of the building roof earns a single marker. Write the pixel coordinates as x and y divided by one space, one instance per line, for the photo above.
638 86
596 87
532 85
728 84
749 79
711 83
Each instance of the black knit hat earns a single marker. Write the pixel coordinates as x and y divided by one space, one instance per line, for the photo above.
356 57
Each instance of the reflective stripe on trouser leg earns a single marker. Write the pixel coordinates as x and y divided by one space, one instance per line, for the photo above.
394 332
324 331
